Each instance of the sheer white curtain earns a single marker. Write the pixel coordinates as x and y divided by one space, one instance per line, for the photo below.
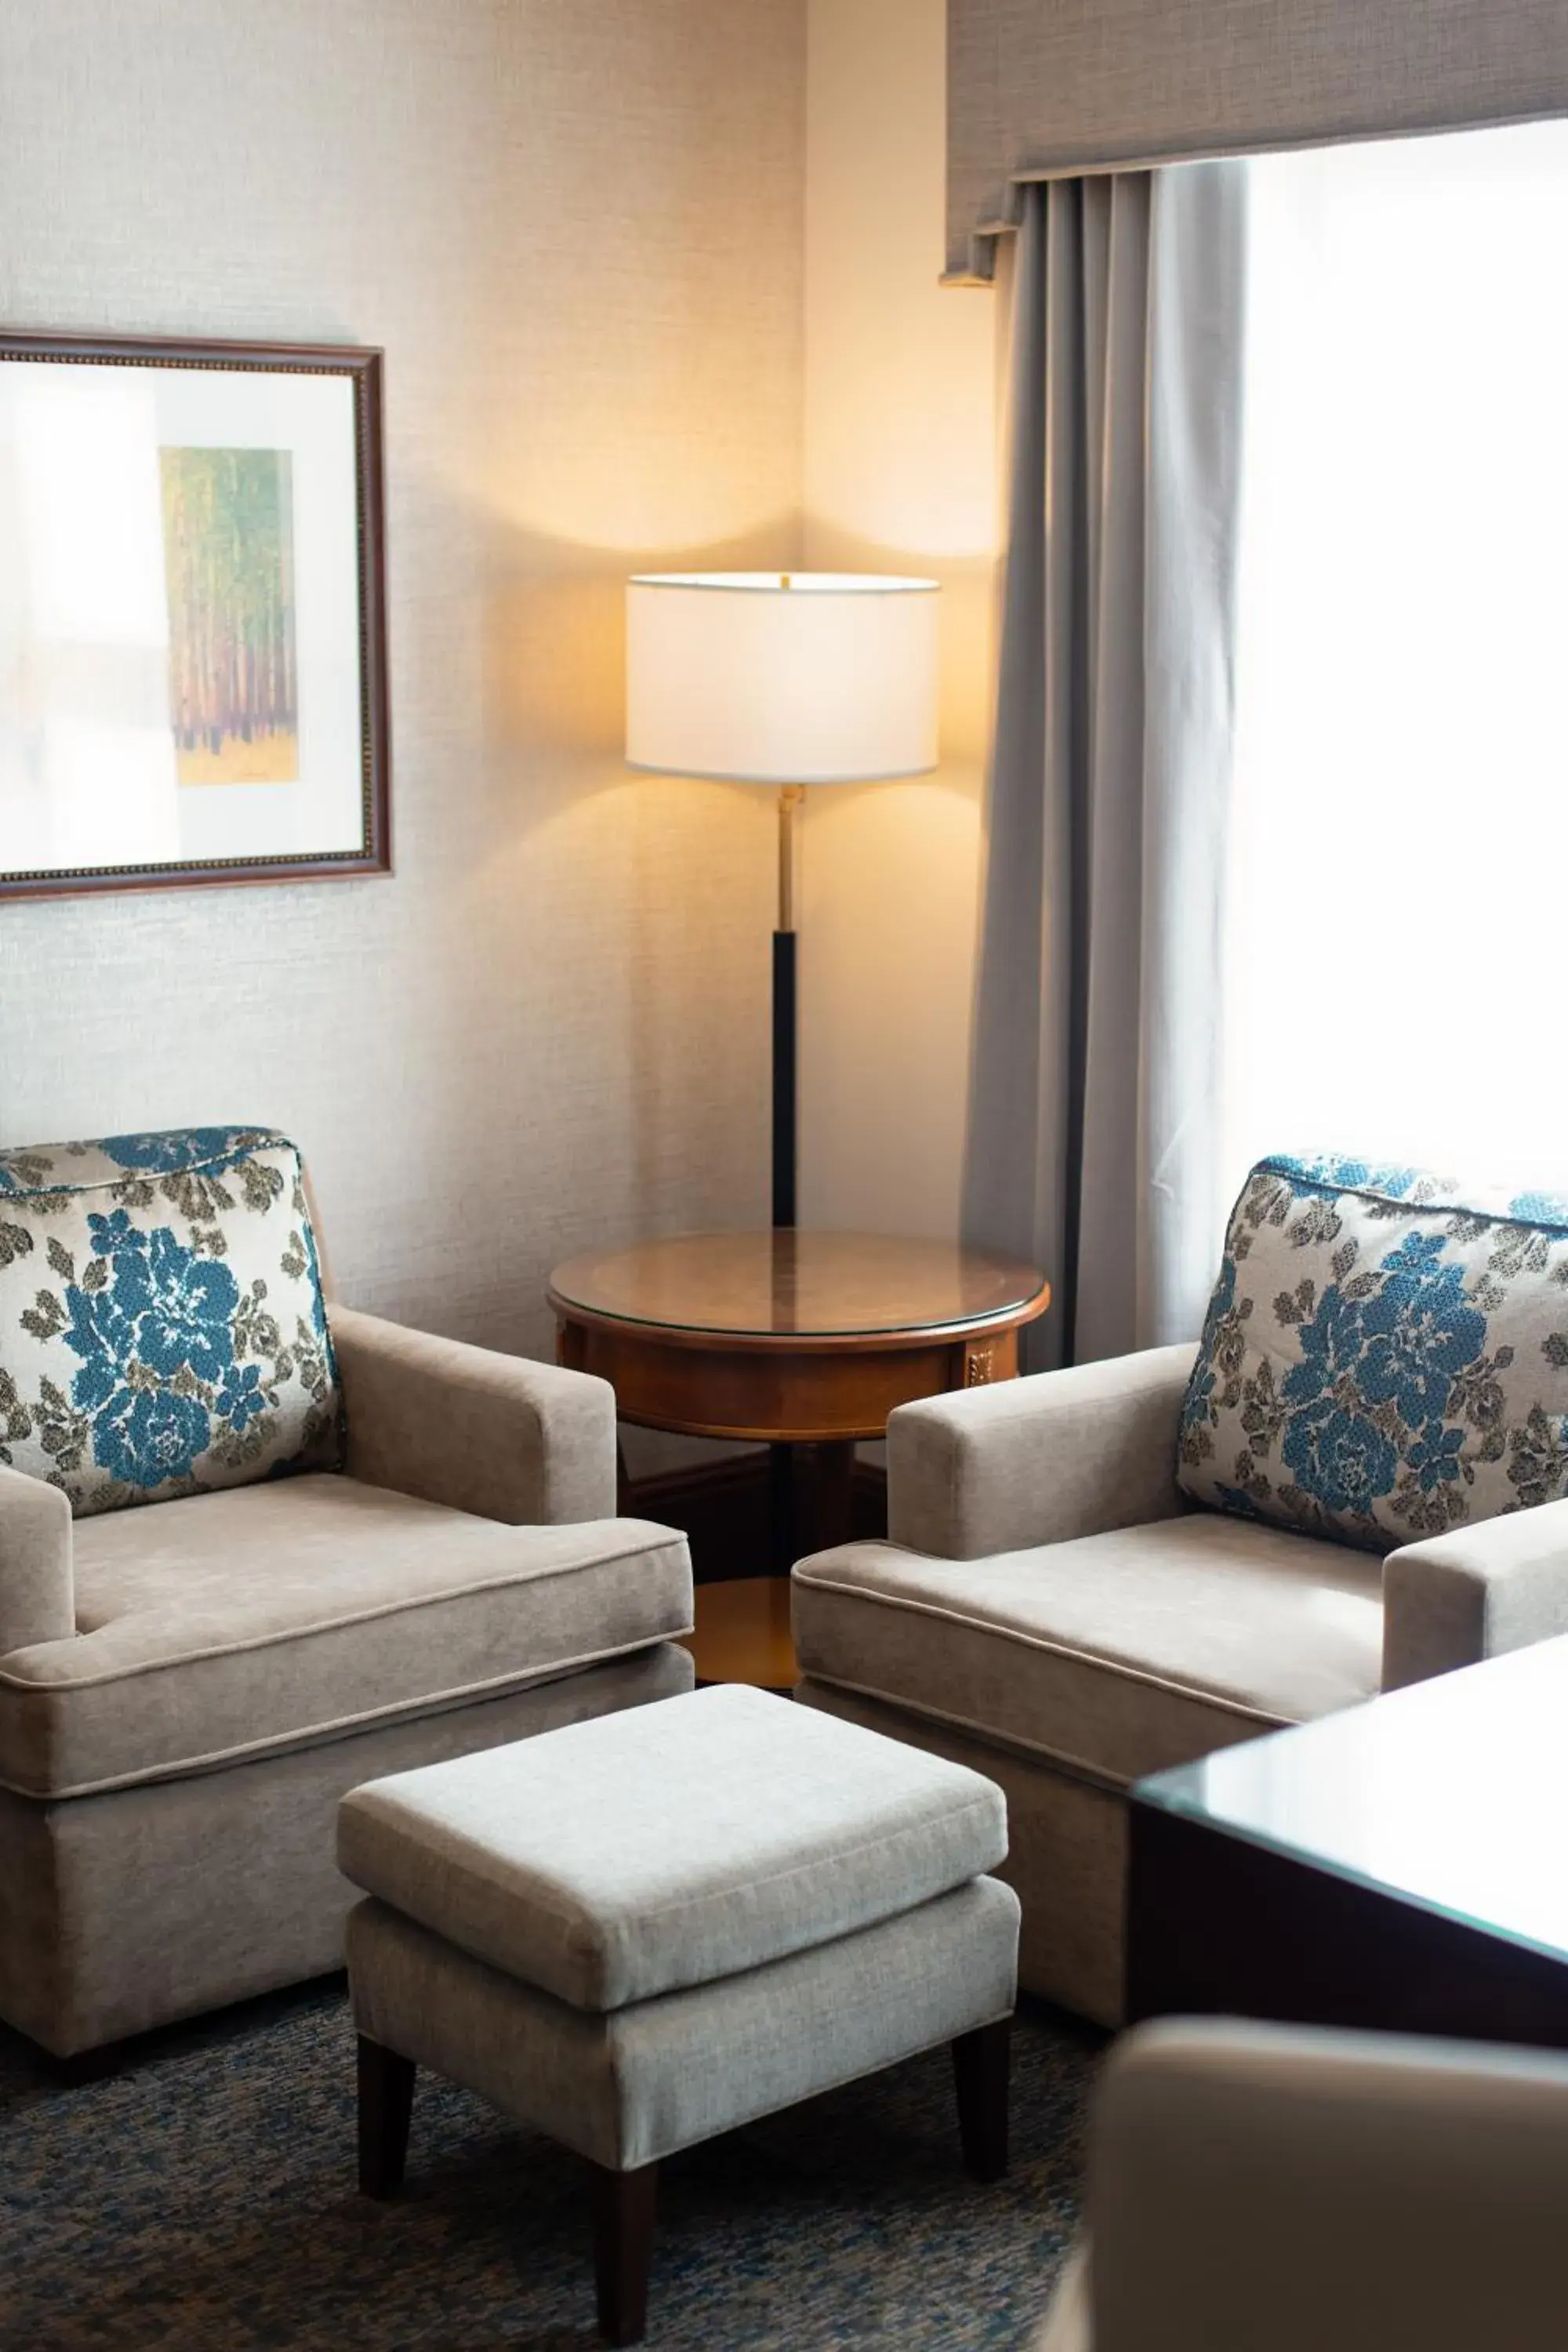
1398 932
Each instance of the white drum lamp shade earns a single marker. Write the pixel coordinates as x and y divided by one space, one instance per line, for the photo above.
768 677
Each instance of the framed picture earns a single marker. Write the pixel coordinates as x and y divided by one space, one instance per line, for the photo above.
193 636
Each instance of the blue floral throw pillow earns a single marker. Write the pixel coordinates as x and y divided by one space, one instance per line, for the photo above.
1385 1355
162 1327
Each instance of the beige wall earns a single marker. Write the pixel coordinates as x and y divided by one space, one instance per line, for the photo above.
577 231
901 476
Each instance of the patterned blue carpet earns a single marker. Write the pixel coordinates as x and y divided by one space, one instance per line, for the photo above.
202 2200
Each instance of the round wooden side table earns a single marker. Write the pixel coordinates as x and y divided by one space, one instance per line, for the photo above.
796 1339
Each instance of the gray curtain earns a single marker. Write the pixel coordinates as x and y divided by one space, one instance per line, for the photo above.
1039 88
1093 1144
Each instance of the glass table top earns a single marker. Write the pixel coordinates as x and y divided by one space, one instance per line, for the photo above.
1450 1795
778 1283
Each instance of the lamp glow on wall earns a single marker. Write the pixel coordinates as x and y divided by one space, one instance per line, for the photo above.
786 679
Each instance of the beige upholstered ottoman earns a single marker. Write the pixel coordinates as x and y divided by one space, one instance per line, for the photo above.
639 1932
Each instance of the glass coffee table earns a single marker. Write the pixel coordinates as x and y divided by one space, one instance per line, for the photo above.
801 1340
1403 1865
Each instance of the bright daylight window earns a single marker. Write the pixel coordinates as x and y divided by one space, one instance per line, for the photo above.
1399 940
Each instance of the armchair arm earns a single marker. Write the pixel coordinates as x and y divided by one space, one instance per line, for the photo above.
1473 1594
37 1595
502 1436
1038 1460
1255 2186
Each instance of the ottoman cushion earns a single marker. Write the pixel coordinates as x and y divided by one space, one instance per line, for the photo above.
625 1858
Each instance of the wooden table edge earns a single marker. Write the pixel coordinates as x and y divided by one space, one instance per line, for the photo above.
890 1341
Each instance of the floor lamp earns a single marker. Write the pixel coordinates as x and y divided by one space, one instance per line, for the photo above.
786 679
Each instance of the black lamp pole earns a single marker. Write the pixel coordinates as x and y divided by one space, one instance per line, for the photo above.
780 1465
785 1018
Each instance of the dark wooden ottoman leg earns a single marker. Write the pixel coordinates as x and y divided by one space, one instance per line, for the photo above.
623 2248
980 2062
385 2104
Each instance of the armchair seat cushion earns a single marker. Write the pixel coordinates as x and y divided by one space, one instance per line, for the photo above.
1115 1654
261 1618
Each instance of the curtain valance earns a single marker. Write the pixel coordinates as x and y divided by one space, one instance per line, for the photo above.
1041 88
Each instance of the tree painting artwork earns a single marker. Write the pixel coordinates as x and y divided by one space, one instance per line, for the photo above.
228 533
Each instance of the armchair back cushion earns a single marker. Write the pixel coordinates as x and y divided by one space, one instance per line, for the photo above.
1385 1355
162 1327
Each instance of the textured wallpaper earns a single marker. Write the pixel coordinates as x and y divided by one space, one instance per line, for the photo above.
575 225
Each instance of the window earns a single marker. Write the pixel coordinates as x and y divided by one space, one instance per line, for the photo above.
1398 973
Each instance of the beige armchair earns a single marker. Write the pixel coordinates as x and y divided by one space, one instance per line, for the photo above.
1050 1609
187 1690
1259 2188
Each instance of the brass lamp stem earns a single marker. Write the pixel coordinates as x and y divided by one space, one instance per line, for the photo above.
790 798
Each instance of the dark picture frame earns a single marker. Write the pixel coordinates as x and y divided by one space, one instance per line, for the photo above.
252 491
